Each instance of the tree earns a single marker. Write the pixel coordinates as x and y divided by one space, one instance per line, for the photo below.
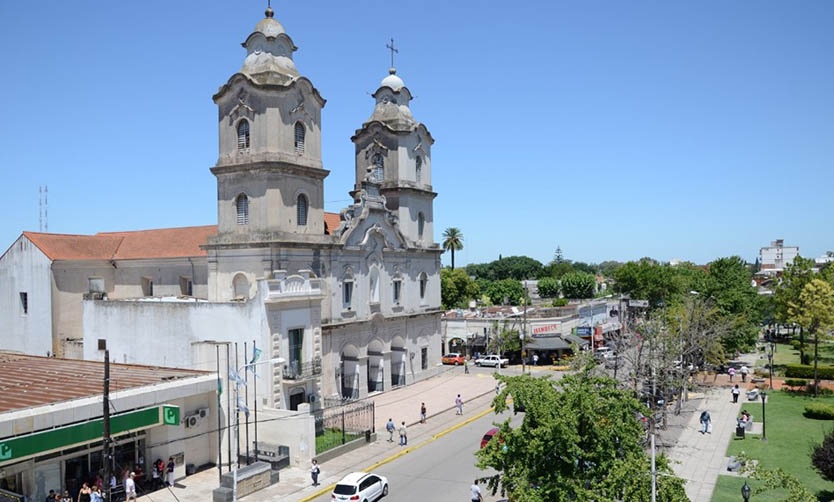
506 291
511 267
814 310
822 457
650 280
456 288
793 280
453 241
578 285
548 287
579 440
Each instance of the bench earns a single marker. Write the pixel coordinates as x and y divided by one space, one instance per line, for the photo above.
753 395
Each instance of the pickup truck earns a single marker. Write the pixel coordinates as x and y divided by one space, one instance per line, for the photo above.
492 360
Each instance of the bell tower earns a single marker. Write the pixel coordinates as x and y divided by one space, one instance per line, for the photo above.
395 151
270 178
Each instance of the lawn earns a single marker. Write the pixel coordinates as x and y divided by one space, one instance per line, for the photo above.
790 439
331 438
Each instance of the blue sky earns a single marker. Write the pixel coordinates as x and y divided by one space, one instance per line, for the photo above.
612 129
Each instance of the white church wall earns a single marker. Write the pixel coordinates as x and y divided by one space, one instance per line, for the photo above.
25 269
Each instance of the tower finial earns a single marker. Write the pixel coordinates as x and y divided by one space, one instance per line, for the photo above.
393 51
269 12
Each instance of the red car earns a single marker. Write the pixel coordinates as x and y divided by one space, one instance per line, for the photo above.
452 358
488 436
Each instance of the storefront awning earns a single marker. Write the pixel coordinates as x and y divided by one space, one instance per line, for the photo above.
577 340
549 343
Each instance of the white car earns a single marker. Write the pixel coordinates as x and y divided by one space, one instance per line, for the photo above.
492 360
360 487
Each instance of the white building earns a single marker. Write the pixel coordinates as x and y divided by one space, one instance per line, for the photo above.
774 258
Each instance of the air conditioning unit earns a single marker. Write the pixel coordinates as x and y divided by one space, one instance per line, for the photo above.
191 420
203 412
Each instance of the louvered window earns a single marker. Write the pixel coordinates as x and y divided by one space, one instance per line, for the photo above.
300 134
301 209
378 167
421 223
243 134
418 169
242 204
424 281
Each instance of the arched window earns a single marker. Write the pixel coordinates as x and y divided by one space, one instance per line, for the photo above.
418 170
242 206
347 289
421 223
378 167
241 286
301 209
374 285
243 134
300 134
424 281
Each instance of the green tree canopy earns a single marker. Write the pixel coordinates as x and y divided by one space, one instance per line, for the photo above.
578 285
548 287
814 311
456 288
579 440
452 241
511 267
505 291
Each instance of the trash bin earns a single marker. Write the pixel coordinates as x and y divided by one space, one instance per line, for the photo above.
368 435
740 431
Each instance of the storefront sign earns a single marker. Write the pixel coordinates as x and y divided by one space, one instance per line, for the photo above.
546 330
92 430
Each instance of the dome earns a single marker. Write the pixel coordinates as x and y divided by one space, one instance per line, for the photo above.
269 26
392 81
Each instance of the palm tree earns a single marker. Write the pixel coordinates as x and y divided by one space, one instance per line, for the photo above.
453 241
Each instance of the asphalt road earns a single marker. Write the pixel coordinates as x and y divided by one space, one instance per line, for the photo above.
440 471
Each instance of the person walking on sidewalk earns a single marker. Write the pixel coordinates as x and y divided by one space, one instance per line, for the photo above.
744 371
403 435
390 427
706 422
422 413
736 392
465 367
732 373
314 472
475 492
459 405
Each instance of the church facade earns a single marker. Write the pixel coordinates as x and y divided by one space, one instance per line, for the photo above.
350 303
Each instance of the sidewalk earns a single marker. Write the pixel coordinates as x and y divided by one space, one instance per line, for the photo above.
701 458
477 389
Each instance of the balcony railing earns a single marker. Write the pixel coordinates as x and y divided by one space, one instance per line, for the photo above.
298 370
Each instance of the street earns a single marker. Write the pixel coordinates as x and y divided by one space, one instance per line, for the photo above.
442 470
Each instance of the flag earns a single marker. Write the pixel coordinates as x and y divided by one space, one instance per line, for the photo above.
256 354
219 386
235 377
241 406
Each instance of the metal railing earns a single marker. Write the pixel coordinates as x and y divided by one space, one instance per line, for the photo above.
298 370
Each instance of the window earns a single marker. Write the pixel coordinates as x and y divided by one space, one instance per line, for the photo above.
374 284
296 339
242 206
424 358
421 223
398 284
95 285
424 280
147 286
24 303
301 209
347 293
300 133
378 167
186 286
240 284
418 170
243 135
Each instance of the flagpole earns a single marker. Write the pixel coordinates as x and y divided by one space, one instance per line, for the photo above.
228 405
246 377
219 435
255 355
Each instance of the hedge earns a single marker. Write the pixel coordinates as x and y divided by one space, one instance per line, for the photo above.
806 371
796 382
819 411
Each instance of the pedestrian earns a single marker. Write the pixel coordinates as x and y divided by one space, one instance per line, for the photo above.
66 497
314 472
51 496
535 359
84 493
403 435
459 405
170 469
744 371
422 413
97 496
497 388
475 492
465 367
706 422
732 373
736 392
130 487
390 427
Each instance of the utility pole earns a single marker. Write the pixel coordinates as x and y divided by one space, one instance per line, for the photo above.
106 419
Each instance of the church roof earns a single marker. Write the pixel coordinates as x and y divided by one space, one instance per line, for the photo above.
180 242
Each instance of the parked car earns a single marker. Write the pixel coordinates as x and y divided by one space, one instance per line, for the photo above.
488 436
492 360
452 358
361 487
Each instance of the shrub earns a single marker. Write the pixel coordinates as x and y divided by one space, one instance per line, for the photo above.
823 391
560 302
795 345
822 457
805 371
819 411
795 382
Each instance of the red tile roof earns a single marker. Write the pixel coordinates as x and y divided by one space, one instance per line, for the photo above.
331 222
27 381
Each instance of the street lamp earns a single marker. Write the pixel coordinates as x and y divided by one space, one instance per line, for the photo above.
764 418
238 380
770 361
745 491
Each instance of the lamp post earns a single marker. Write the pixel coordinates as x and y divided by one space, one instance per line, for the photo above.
764 417
770 362
238 380
745 491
